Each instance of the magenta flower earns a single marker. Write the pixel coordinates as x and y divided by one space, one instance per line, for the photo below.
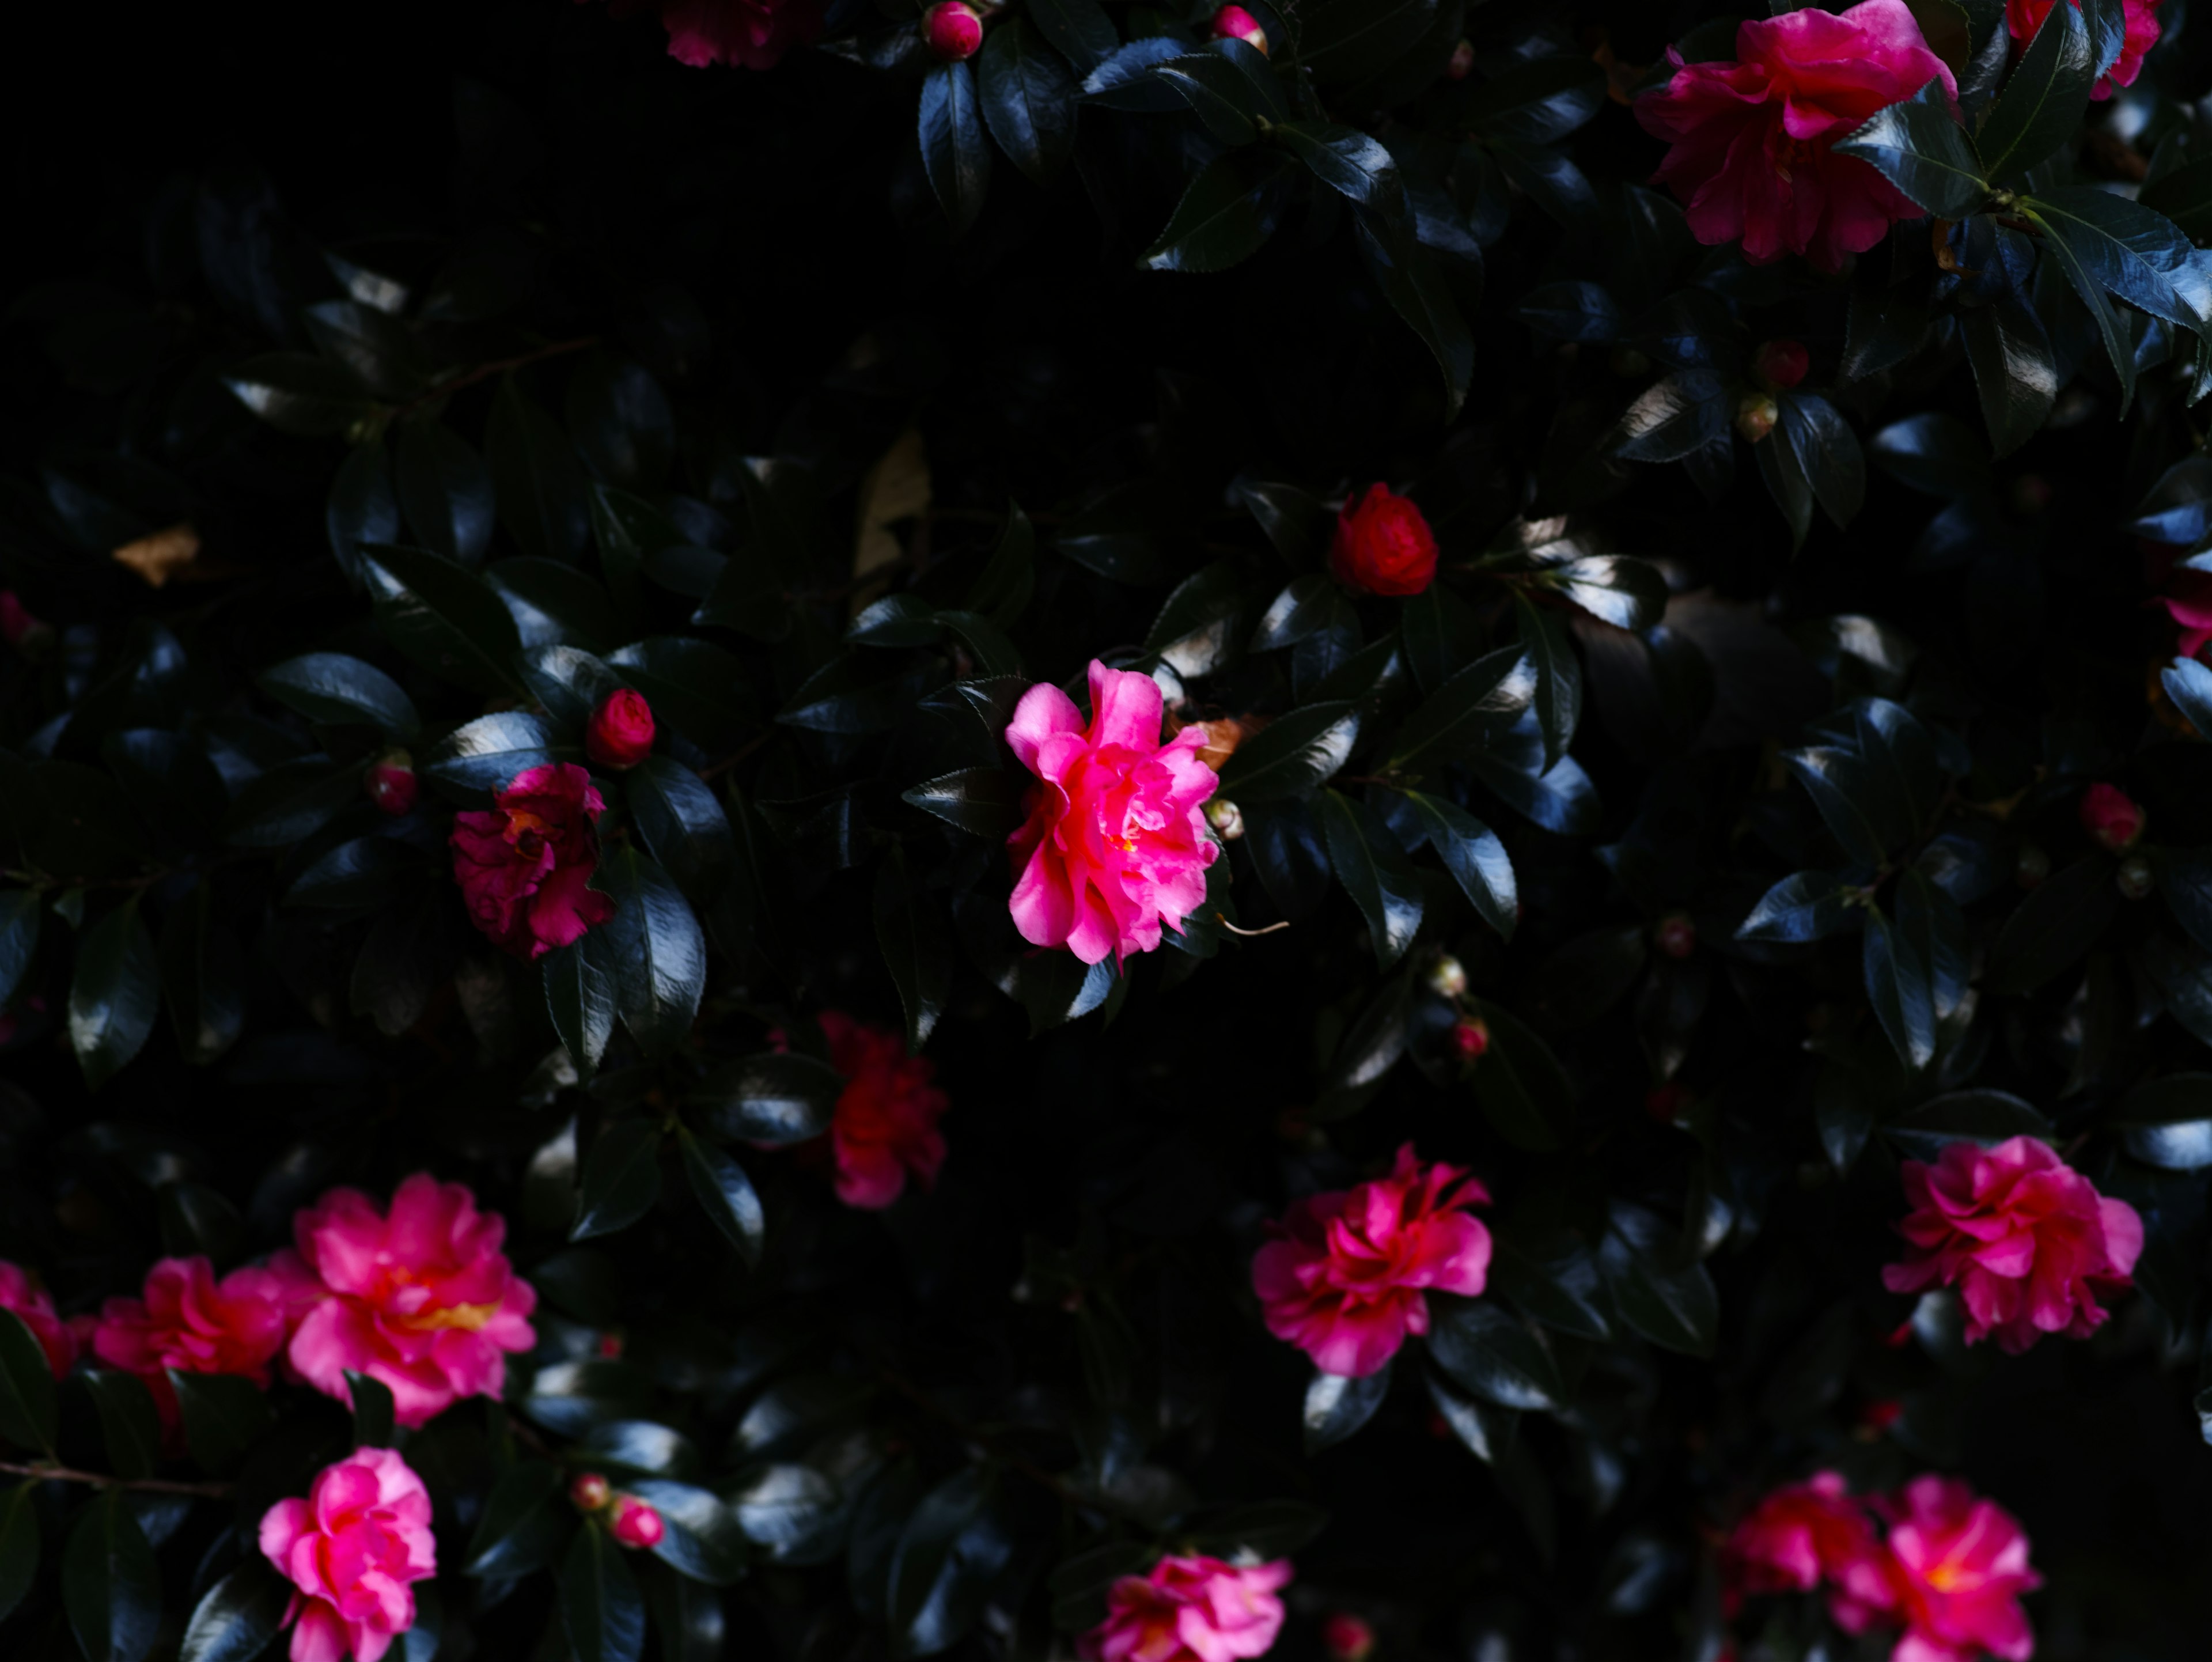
1189 1610
189 1321
525 865
349 1550
55 1336
1753 141
755 34
1345 1283
885 1124
2024 17
423 1300
1960 1564
1802 1535
2027 1240
1116 844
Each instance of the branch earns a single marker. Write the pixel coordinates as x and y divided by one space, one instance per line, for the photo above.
486 371
50 1472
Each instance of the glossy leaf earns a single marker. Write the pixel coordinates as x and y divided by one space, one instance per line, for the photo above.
954 149
1983 1117
19 1546
726 1194
911 927
329 686
445 617
601 1611
620 1178
1336 1406
1292 755
1375 872
110 1586
1918 146
224 1414
114 995
658 950
446 491
1227 212
28 1406
1490 1356
519 1530
239 1617
1029 99
2043 102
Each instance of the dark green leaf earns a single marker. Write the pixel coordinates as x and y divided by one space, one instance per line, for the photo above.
2167 1122
21 911
1897 985
1490 1356
1616 588
520 1529
1292 755
701 1540
1523 1092
1414 284
130 1428
776 1100
19 1544
693 686
446 491
329 686
296 392
486 756
916 939
554 603
954 150
539 490
1348 162
1559 696
240 1616
581 980
2053 927
372 345
658 952
114 995
27 1386
1029 99
986 802
373 1412
1375 872
1481 702
2042 105
364 505
1474 856
2014 370
572 1397
682 825
1919 147
1078 29
291 802
368 871
620 1178
2189 683
1337 1406
447 619
1673 1304
1805 906
1986 1118
1553 1277
781 1508
1228 210
948 1552
726 1194
198 1220
224 1414
600 1610
110 1586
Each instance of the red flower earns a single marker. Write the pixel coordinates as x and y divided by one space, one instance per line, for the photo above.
620 734
189 1321
885 1124
2028 1242
1805 1534
2111 816
1346 1281
2025 17
1383 545
30 1302
1753 141
523 867
753 32
1958 1566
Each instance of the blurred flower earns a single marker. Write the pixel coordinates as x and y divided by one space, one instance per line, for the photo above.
2025 17
620 732
421 1300
1383 545
753 32
1463 61
1779 365
1189 1610
189 1321
29 1301
1752 140
2027 1240
523 866
2110 816
351 1548
885 1123
1346 1637
1114 846
589 1492
1470 1038
1345 1282
1804 1535
1959 1566
17 625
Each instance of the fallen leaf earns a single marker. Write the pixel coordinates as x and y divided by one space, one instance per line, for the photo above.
161 556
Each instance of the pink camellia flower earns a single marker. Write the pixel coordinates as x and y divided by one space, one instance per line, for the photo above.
1959 1564
421 1300
2111 816
1803 1535
620 732
1114 845
2025 17
1346 1281
753 32
1189 1610
189 1321
523 867
1753 141
885 1124
1383 544
349 1550
27 1300
2026 1239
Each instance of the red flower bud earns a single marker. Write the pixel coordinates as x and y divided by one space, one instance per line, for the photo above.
1346 1637
620 735
391 782
1755 415
1676 936
1880 1415
610 1346
1463 61
1383 545
1235 23
589 1492
1779 365
954 31
2112 817
1469 1039
18 628
636 1524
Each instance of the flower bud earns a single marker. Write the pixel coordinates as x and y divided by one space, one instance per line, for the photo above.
2033 867
1235 23
1880 1414
1469 1039
1779 365
1665 1103
953 29
1755 415
1676 935
636 1524
2136 878
1346 1637
589 1492
19 628
620 735
1224 817
1463 61
610 1346
391 782
2112 817
1448 977
1383 545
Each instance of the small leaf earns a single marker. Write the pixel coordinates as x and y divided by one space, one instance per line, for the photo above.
1490 1356
620 1178
329 686
776 1100
1375 872
115 994
955 153
1482 701
658 949
727 1193
1029 99
1292 755
240 1616
373 1412
1337 1406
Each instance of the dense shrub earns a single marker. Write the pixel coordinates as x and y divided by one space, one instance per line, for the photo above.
1366 827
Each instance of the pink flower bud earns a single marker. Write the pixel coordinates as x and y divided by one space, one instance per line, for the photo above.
1235 23
1779 365
953 30
591 1492
1226 818
1463 61
1676 936
391 782
620 735
1469 1039
1755 415
636 1524
2112 817
1346 1637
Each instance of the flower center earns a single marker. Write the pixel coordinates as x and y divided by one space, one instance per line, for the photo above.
468 1317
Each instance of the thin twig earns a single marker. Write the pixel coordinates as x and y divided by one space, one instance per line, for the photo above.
486 371
1250 935
736 756
61 1473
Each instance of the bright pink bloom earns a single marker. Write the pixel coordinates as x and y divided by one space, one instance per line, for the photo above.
1383 544
189 1321
423 1300
1235 23
1345 1281
350 1549
523 867
2111 816
620 732
2025 17
1959 1564
636 1523
2026 1239
1189 1610
753 32
953 29
885 1123
18 1293
1116 844
1753 141
1803 1535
